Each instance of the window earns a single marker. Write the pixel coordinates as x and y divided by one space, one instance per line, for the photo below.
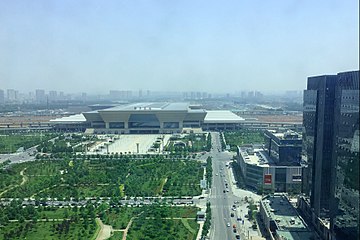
143 121
116 125
171 124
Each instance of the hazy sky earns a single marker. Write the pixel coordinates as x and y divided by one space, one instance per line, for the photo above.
215 46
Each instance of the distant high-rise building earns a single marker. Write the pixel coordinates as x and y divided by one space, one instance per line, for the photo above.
258 94
140 93
12 95
331 144
2 96
119 95
243 94
250 94
40 96
53 95
61 96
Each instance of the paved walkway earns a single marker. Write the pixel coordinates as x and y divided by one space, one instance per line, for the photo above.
105 230
127 228
198 237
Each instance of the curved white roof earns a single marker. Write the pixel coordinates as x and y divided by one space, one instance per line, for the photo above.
77 118
222 116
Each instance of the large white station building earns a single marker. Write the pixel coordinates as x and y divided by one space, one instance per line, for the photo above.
144 118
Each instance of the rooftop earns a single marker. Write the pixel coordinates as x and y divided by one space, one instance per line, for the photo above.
259 157
256 156
222 116
150 106
289 224
77 118
285 135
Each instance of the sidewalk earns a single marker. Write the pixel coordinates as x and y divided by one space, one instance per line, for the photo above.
198 237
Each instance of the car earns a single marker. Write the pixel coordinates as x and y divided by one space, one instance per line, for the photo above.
228 224
232 215
224 191
237 236
238 219
234 230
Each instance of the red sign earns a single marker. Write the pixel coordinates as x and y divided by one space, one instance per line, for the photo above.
267 179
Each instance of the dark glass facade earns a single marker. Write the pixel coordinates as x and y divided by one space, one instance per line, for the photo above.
284 150
331 145
143 121
171 125
323 142
116 124
346 157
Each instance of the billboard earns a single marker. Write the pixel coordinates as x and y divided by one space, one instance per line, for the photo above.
267 179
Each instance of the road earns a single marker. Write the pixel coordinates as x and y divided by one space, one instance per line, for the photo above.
222 202
27 155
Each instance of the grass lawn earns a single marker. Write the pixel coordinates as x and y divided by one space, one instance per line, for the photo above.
11 143
162 229
119 218
48 230
83 178
241 137
116 236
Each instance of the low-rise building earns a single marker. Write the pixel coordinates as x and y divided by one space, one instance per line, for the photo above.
221 120
263 174
281 219
145 118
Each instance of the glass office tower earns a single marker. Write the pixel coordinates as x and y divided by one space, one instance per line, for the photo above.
345 219
331 144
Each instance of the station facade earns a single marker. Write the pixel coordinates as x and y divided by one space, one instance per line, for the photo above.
146 118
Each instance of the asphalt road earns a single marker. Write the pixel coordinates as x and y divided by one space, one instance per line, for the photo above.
27 155
222 203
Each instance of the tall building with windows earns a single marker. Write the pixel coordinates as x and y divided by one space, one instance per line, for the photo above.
40 96
331 145
345 220
2 96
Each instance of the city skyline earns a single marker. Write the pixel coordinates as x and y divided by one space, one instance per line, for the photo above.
204 46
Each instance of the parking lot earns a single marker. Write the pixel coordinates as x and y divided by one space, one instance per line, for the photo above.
128 143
